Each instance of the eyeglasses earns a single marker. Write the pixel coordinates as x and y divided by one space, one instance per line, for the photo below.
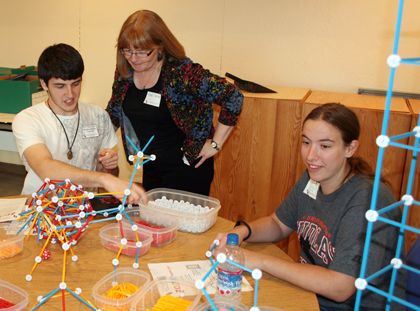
140 54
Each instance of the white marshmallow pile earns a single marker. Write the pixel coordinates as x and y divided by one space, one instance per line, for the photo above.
197 222
181 205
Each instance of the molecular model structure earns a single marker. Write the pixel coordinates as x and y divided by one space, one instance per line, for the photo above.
61 211
373 215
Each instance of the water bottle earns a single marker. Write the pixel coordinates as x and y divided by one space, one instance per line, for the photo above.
229 276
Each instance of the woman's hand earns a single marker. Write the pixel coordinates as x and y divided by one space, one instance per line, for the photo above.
207 152
222 238
252 259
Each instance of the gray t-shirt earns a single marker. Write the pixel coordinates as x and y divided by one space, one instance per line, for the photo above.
332 228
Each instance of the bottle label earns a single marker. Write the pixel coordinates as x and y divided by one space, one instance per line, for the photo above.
229 283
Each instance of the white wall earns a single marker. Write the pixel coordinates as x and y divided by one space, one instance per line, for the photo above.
323 45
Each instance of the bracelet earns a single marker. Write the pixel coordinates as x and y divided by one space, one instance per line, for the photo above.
240 222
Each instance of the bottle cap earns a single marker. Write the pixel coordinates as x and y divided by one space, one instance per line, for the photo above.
232 239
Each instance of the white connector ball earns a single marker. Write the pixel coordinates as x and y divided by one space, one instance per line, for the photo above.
371 215
256 274
397 263
199 284
408 199
382 141
221 257
393 60
417 130
360 283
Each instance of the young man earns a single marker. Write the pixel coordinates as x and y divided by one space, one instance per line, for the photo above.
63 139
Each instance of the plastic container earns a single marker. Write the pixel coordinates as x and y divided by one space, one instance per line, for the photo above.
136 277
10 244
111 238
173 286
229 276
188 221
14 295
168 225
222 302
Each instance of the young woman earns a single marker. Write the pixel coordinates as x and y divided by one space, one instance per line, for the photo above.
327 207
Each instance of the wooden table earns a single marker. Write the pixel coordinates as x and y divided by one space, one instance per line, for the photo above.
95 262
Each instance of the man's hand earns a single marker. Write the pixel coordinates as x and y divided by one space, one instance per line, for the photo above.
108 158
116 185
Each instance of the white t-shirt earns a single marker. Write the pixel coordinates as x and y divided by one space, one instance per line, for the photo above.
37 124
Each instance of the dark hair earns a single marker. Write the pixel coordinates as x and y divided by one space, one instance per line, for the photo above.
60 61
346 121
146 30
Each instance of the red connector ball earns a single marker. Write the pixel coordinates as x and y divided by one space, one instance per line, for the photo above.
46 254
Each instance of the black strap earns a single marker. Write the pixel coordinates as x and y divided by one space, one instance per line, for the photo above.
241 222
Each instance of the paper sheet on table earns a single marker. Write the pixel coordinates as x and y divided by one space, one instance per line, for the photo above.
191 270
10 208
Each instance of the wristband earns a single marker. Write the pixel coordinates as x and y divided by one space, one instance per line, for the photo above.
240 222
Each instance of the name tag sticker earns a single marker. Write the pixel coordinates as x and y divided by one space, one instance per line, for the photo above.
89 131
311 189
152 99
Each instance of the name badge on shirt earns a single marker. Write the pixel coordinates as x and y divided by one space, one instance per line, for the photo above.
311 188
89 131
152 99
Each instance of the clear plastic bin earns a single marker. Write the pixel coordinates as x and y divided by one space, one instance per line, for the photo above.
111 238
188 221
14 295
136 277
167 225
219 302
10 244
172 286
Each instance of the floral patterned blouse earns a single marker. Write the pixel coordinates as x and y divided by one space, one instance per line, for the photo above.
189 90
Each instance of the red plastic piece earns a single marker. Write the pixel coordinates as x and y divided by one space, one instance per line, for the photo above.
4 304
46 254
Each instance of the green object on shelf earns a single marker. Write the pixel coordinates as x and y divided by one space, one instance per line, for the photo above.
30 70
17 95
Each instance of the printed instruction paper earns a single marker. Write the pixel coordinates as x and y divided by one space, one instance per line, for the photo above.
10 208
191 270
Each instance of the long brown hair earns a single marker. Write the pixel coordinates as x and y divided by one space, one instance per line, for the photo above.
346 121
146 30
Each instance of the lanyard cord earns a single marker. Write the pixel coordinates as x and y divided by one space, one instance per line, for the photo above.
69 153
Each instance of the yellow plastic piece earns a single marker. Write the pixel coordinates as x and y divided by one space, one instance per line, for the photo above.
7 251
171 303
121 291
